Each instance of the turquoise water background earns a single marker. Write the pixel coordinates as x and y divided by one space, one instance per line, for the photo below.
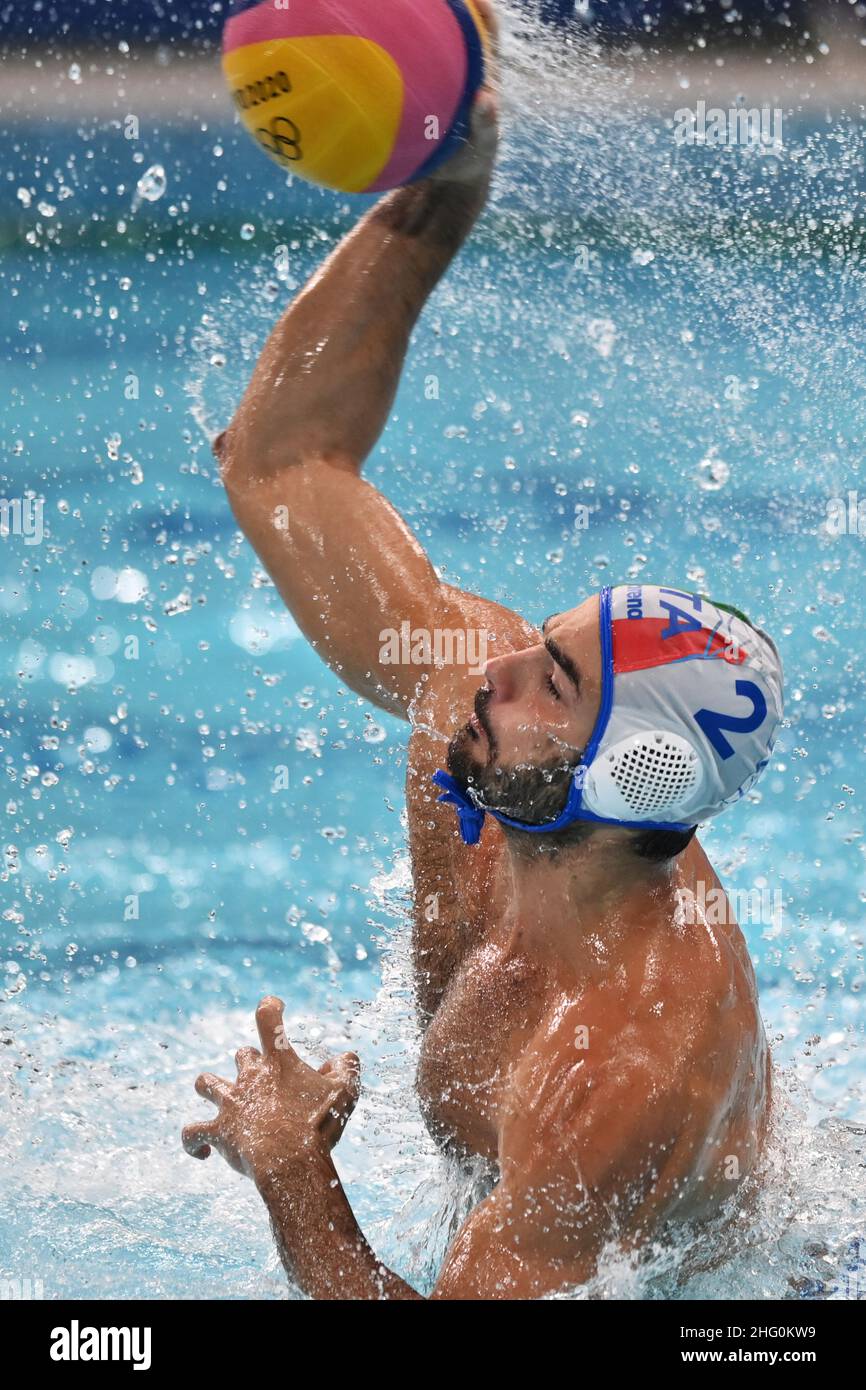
670 337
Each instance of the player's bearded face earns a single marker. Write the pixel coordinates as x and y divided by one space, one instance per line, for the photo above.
532 793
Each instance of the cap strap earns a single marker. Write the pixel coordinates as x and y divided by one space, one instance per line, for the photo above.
471 816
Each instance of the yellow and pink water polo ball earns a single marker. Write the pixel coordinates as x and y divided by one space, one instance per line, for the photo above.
358 95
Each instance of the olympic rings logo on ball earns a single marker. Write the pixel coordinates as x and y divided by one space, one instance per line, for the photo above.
281 143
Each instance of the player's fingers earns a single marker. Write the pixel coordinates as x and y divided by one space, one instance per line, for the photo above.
269 1020
484 122
212 1087
245 1059
198 1139
346 1071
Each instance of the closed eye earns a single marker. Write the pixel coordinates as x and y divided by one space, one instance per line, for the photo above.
565 664
552 688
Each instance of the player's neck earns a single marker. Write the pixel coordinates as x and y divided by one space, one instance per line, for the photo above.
583 903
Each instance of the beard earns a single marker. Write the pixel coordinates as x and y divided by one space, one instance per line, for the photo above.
534 793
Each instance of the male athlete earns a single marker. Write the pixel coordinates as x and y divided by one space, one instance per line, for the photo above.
588 1029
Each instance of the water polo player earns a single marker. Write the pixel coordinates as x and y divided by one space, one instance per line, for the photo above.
587 1030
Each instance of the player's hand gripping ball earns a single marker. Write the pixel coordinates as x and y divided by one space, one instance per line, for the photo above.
358 95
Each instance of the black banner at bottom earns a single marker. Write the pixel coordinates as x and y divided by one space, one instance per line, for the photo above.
195 1337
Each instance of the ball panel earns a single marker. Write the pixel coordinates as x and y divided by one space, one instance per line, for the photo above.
306 101
263 21
435 63
397 25
477 46
435 60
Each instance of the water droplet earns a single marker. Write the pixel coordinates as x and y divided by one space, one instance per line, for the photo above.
182 603
248 231
713 472
151 185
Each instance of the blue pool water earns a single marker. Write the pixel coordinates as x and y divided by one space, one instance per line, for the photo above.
673 338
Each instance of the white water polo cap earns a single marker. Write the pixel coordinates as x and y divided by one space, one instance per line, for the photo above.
691 701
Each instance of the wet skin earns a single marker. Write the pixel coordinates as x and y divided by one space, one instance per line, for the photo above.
606 1057
523 954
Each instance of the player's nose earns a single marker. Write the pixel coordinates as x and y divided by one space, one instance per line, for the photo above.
503 675
494 673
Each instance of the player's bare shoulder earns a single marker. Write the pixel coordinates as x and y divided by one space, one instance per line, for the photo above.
642 1090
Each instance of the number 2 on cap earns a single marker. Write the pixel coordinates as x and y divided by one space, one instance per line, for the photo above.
712 722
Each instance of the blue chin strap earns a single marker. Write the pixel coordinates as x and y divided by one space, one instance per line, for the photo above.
471 815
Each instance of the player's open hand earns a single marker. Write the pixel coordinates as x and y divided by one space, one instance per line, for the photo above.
279 1107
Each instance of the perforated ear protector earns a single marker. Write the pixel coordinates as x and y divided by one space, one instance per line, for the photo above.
643 775
690 704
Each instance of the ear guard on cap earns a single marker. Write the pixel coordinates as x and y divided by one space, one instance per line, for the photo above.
643 775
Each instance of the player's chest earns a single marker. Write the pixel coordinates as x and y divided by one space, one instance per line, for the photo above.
489 1011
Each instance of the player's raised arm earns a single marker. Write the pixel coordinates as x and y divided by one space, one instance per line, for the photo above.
344 561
